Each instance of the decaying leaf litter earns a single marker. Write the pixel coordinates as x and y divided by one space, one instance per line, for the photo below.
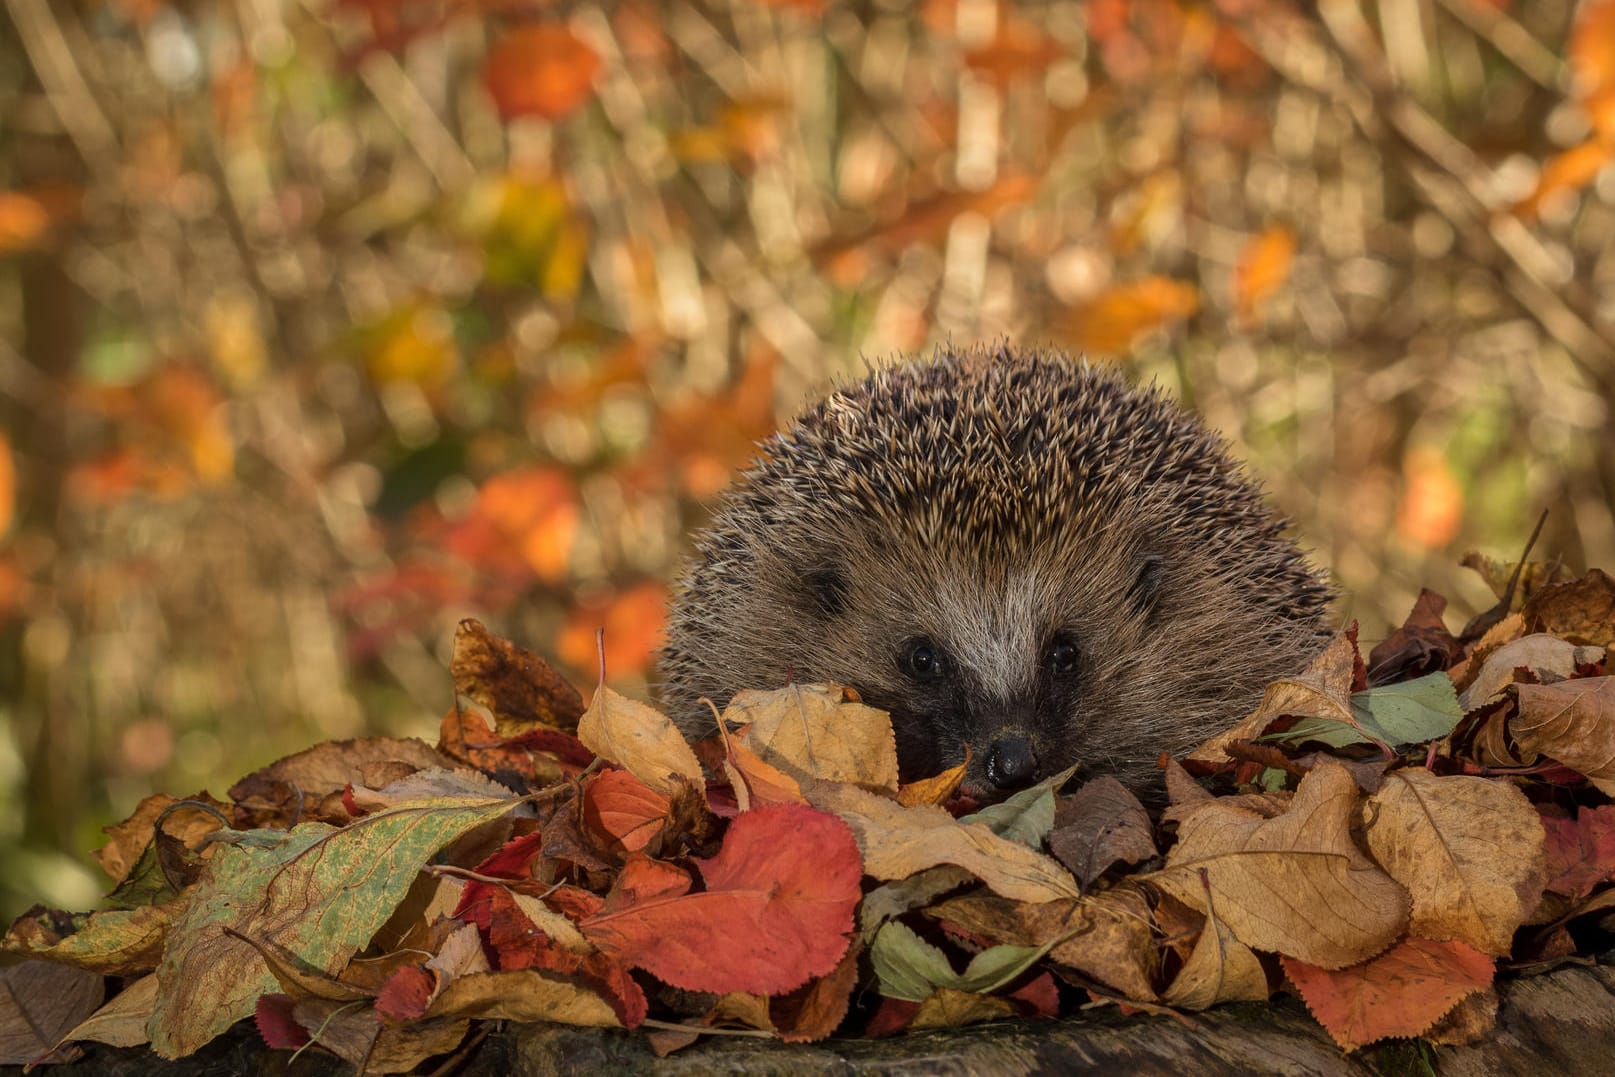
1384 836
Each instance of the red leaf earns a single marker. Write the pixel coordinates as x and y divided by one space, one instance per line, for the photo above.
1581 851
776 911
407 993
519 944
617 804
540 70
1402 992
1038 998
891 1017
644 879
276 1025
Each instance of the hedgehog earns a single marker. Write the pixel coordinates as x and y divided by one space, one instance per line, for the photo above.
1023 559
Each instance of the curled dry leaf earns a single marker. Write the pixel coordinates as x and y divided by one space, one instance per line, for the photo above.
1580 851
1220 968
1402 992
1546 656
122 1021
518 688
897 842
1580 610
936 789
640 738
117 942
1112 940
1573 722
1468 850
1319 899
818 731
1323 690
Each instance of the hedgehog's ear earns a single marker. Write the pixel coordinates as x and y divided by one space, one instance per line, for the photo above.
1147 582
826 586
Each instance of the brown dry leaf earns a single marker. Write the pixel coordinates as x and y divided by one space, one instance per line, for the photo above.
115 942
357 1036
1573 722
1114 943
1580 610
811 1013
40 1002
1101 824
818 731
121 1022
519 688
1549 657
1533 577
128 840
1320 899
1220 968
742 1009
1469 851
1322 691
934 790
897 842
330 767
641 739
1472 1020
524 995
948 1008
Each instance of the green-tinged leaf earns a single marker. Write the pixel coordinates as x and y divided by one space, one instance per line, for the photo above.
1412 712
1397 714
906 966
910 968
1026 817
117 942
319 892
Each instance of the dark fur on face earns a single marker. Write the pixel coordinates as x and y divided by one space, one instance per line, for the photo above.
1004 549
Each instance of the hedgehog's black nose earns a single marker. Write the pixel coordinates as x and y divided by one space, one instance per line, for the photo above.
1010 763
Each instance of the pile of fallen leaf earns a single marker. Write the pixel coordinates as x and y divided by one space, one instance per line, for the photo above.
1389 835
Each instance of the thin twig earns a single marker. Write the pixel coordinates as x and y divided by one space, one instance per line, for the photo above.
1512 41
69 94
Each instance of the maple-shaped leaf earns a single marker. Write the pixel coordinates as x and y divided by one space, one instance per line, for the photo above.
897 842
1294 884
542 70
1580 851
319 892
1573 722
776 911
641 739
1402 992
519 688
818 731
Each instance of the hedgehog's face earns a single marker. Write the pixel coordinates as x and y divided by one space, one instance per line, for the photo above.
1027 672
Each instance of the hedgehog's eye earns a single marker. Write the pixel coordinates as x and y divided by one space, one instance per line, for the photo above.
922 660
1147 584
1063 655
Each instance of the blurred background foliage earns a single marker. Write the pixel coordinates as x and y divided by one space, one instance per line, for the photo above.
326 323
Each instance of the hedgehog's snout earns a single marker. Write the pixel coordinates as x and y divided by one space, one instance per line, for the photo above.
1011 762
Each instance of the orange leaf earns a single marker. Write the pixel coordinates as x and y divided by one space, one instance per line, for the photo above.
776 911
1020 49
1263 266
1402 992
1110 323
23 221
8 485
1432 507
540 70
1571 170
1591 53
632 621
618 804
